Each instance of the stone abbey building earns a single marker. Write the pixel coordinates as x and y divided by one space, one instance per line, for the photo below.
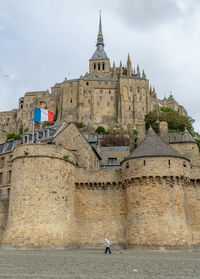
53 192
108 95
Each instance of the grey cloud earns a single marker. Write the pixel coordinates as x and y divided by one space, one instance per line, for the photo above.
148 14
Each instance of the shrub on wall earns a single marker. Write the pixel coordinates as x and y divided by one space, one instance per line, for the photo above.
13 136
79 124
100 130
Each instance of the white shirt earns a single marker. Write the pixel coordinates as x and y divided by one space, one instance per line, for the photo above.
107 242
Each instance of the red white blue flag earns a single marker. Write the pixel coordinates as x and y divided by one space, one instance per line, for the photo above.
43 115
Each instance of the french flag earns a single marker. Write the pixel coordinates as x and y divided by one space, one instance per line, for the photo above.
43 115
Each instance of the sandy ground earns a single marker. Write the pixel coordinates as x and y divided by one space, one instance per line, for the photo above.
95 264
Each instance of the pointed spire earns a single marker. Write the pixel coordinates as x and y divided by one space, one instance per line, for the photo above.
114 70
120 69
129 70
154 91
138 70
100 34
144 75
134 71
150 89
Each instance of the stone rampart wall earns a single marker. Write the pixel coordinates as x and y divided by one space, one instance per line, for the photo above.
156 166
157 213
4 203
41 209
100 212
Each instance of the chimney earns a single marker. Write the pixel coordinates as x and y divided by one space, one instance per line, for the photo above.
164 131
140 126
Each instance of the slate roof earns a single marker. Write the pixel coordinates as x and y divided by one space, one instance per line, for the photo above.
154 146
181 138
8 146
99 53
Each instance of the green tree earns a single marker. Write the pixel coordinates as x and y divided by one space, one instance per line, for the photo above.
100 130
176 122
13 136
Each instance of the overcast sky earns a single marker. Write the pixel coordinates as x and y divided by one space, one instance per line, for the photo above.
44 41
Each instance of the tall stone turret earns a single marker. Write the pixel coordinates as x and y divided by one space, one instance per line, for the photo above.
129 69
120 69
155 178
41 208
138 71
114 71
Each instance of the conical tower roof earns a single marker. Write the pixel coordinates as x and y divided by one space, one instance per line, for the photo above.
154 146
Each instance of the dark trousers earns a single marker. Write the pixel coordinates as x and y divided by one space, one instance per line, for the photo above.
107 249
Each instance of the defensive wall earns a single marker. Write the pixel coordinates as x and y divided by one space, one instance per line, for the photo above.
54 203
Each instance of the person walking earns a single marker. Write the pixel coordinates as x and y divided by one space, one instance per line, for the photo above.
107 245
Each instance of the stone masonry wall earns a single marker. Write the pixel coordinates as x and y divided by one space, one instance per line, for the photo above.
100 207
157 213
72 139
41 209
192 198
4 203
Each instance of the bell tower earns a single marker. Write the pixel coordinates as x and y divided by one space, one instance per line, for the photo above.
99 63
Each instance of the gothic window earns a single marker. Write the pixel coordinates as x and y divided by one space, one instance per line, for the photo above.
88 101
99 66
94 66
109 91
0 193
1 178
71 100
87 83
103 66
138 90
169 163
144 163
129 108
8 192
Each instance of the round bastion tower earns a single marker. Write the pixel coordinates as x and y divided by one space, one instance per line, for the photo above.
41 209
155 176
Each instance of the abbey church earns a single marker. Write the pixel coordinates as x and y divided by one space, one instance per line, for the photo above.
59 188
106 95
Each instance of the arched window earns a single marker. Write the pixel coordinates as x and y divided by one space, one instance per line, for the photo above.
94 66
103 66
99 66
